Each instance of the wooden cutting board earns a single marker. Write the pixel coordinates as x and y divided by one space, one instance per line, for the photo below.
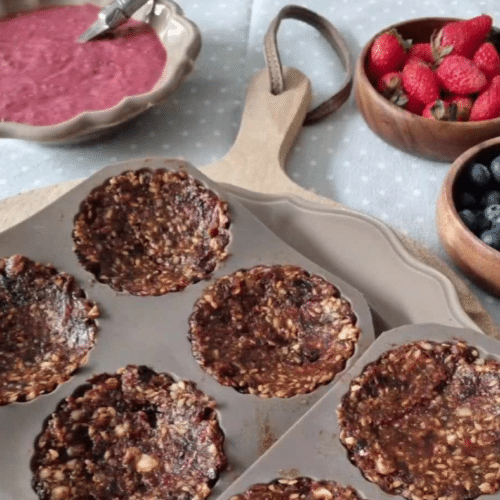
269 127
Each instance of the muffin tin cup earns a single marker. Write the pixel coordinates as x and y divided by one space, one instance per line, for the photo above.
312 446
154 331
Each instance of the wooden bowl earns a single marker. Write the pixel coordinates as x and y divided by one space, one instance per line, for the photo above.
476 259
432 139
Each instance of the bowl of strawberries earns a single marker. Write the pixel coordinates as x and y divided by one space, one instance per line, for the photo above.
431 86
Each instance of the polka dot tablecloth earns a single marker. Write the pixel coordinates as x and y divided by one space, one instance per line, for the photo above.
338 158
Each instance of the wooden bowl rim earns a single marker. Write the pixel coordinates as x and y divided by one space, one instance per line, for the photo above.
457 167
403 114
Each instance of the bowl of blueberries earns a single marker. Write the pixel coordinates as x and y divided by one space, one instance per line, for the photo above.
468 214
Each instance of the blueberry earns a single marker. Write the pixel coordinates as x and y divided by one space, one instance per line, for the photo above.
492 237
491 198
466 200
482 222
492 212
475 220
469 218
495 168
479 174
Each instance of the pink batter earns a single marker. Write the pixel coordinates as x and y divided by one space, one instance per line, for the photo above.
46 77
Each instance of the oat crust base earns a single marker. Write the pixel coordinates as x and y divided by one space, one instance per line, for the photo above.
47 328
132 435
422 422
273 331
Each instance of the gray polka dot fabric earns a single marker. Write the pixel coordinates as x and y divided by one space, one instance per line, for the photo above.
340 158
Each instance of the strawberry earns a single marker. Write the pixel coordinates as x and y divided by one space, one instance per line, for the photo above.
422 51
487 104
420 82
487 60
389 83
391 87
460 108
415 60
414 106
437 110
461 38
388 53
459 75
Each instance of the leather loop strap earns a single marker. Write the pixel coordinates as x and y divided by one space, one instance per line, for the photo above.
333 37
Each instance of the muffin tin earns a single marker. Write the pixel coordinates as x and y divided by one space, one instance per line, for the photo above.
153 331
312 447
180 37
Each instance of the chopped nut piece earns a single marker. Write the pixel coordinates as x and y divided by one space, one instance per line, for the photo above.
417 422
146 463
273 331
464 412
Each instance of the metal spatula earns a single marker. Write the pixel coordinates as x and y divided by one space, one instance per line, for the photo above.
110 17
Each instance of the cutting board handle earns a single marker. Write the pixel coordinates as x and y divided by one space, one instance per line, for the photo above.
275 110
269 127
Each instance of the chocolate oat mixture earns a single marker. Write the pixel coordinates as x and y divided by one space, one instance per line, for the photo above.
151 232
132 435
423 421
273 331
301 488
47 328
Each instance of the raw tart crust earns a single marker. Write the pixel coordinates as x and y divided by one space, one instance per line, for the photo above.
47 328
273 331
422 422
301 488
150 232
132 435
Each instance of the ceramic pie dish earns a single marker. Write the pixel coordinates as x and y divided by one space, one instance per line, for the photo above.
432 139
182 41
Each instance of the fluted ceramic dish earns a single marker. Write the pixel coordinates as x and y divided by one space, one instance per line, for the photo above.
182 41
